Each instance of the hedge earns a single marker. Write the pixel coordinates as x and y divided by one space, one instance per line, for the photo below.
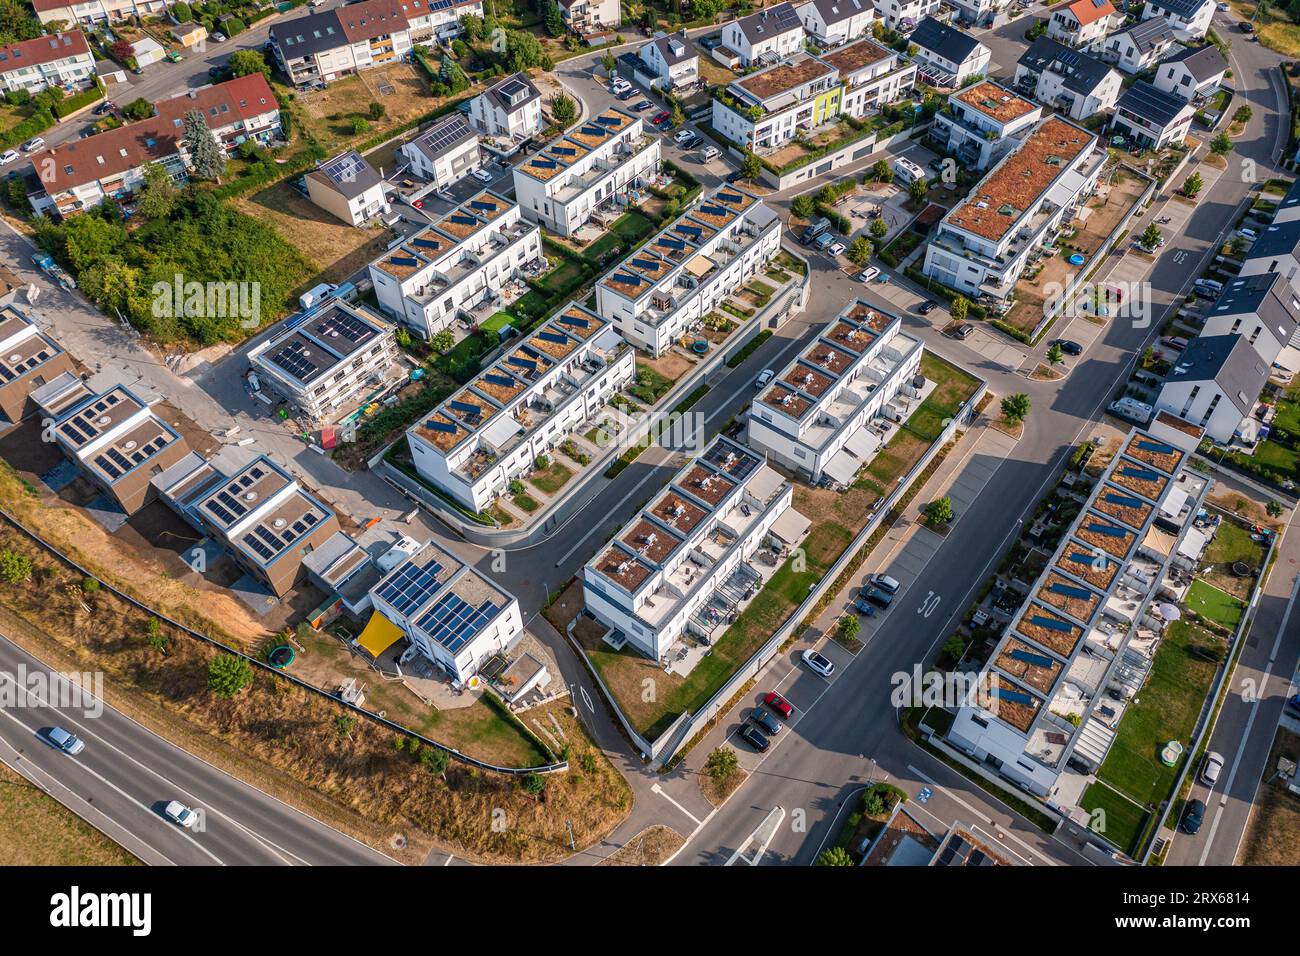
934 285
71 104
34 125
749 348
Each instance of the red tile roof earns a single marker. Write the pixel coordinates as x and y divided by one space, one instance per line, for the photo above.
47 49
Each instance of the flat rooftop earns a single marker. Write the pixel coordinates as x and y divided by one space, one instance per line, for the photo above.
995 102
853 57
784 77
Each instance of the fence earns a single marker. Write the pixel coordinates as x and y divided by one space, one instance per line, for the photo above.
267 668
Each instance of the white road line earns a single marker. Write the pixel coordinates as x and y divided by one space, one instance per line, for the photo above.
660 791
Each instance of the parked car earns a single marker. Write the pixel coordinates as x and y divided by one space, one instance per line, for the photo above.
963 331
764 721
1293 704
642 105
735 177
711 43
779 704
710 152
764 377
1248 233
623 95
1210 768
103 108
926 307
818 663
864 607
835 249
1175 342
1193 816
754 737
482 175
876 596
9 156
219 37
683 136
1246 26
1067 346
866 275
660 117
180 814
886 583
823 242
33 144
813 230
66 741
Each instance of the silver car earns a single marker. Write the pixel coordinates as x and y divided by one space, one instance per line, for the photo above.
1211 766
66 741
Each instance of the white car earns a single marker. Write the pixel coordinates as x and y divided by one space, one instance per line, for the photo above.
683 136
1210 768
1223 7
818 663
10 155
866 275
33 144
836 249
180 814
482 175
219 37
764 377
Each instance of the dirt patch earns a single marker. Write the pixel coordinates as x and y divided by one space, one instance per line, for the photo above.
651 847
717 791
37 830
1045 373
1272 835
331 111
672 365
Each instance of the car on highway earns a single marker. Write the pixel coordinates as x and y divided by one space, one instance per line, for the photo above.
482 175
866 275
180 814
764 721
962 331
66 741
779 704
754 737
9 156
709 152
886 583
1193 816
1211 766
764 377
1067 346
864 607
877 596
835 249
818 663
642 105
33 144
926 307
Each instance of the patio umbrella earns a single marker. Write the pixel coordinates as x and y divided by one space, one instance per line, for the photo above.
1169 612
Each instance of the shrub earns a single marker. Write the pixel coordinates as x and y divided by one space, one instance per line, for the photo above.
228 675
15 568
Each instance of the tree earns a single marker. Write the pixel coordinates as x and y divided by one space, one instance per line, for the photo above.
471 25
228 675
206 155
751 167
554 19
1274 509
1015 408
678 117
721 764
376 111
802 207
834 856
1221 145
138 109
158 197
939 511
1243 114
1192 185
248 62
1054 353
860 251
182 12
1150 237
959 308
523 51
15 568
917 191
436 760
533 784
850 626
878 228
706 9
564 110
881 172
442 341
607 63
122 51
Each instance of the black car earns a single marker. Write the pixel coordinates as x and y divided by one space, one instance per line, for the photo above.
876 596
926 307
765 722
627 94
1193 816
736 177
1068 347
754 737
103 107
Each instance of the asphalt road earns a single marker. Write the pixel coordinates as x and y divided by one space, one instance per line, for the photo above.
127 774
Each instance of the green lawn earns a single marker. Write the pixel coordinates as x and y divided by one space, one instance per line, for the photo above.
1218 606
650 385
627 231
525 503
552 479
1233 543
1167 709
1277 456
1115 817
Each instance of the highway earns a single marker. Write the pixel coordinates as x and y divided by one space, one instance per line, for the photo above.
127 774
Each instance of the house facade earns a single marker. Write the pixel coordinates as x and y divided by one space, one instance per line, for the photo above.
983 122
29 358
63 60
1150 117
767 109
871 76
1214 384
1139 47
946 56
1263 308
832 23
347 187
1189 19
445 153
590 16
96 11
1193 73
670 60
1082 24
511 108
904 15
1077 84
765 37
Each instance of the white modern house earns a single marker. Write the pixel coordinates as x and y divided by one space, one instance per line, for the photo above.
871 76
1276 250
680 566
1077 84
1152 118
838 402
1189 19
348 188
946 56
677 278
449 612
597 164
457 265
1139 47
671 60
511 108
976 13
323 360
981 247
767 109
443 154
1082 24
61 59
1263 308
96 11
765 37
590 16
493 430
833 23
1214 384
983 122
904 15
1193 73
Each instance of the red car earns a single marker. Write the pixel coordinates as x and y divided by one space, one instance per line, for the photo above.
660 118
779 704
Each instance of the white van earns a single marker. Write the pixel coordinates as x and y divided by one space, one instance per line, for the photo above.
1132 409
906 171
316 294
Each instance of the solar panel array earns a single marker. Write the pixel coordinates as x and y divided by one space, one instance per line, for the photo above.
115 464
346 168
266 542
228 504
343 324
445 135
80 428
295 358
411 585
452 621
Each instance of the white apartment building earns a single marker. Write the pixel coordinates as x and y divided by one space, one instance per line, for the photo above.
1082 24
1263 308
1078 85
981 247
443 154
1276 250
983 122
1214 384
597 163
904 15
1139 47
511 108
1189 19
1152 117
1058 682
1193 73
96 11
946 56
833 23
871 76
458 264
765 37
493 430
590 16
63 59
450 613
670 60
767 109
323 360
321 47
348 188
977 13
688 549
673 281
832 407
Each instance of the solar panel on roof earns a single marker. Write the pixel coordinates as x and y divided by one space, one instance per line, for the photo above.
483 204
527 364
593 131
472 412
645 263
1029 657
627 278
1070 590
501 380
1159 447
1012 696
345 169
1146 474
545 163
294 358
434 425
425 243
411 585
552 337
564 150
452 622
713 210
1082 558
462 219
1107 529
672 243
574 321
345 325
1123 501
403 261
730 197
1051 623
444 135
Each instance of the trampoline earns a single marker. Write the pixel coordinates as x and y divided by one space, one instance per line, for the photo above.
699 346
281 656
